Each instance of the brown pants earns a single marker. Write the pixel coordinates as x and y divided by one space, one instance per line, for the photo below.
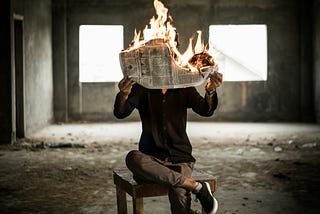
148 169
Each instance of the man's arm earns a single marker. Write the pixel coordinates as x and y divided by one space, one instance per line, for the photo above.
121 108
214 81
205 106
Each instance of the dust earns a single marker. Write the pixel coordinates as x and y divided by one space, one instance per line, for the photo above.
258 172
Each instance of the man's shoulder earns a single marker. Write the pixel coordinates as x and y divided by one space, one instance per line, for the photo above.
190 89
137 86
140 90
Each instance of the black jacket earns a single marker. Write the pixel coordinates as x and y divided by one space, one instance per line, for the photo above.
163 118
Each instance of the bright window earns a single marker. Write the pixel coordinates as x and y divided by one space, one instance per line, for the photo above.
240 50
99 50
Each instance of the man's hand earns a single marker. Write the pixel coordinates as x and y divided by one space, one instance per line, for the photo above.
125 86
214 81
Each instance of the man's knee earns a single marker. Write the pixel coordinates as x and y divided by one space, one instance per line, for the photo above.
132 159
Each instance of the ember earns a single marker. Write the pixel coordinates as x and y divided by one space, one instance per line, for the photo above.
154 61
202 60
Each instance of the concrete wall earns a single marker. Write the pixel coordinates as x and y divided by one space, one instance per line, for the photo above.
38 79
59 47
36 76
316 57
287 95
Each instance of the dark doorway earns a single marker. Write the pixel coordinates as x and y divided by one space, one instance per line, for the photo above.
19 76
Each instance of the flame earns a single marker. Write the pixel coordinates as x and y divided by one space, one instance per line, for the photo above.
161 27
199 48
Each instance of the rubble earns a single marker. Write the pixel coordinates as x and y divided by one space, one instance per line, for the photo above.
309 145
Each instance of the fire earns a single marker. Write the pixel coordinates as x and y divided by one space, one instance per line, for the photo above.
161 27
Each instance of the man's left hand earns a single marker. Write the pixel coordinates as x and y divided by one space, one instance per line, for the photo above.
214 81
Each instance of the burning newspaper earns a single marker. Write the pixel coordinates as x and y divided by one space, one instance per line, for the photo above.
154 61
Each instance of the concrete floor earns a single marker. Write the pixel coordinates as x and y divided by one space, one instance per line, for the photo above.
216 132
67 168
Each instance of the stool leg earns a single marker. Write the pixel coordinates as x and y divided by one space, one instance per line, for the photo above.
137 205
121 201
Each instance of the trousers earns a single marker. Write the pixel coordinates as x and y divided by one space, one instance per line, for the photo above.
149 169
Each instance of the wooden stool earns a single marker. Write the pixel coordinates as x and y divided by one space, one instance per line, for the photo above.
125 183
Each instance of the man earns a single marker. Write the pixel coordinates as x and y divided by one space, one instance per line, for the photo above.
164 154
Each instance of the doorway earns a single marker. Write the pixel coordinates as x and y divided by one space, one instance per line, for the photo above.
19 76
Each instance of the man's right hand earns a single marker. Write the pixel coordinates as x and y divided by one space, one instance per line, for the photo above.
125 86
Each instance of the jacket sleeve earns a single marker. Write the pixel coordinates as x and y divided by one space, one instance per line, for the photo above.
200 104
131 103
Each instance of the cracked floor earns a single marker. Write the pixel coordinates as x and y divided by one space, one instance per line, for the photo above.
262 168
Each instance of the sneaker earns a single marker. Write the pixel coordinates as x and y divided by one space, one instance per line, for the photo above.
208 202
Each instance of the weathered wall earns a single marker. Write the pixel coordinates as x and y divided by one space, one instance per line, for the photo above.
316 57
59 48
37 62
283 97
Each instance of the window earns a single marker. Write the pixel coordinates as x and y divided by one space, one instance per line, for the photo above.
99 48
240 50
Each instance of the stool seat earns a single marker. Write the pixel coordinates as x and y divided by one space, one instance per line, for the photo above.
123 179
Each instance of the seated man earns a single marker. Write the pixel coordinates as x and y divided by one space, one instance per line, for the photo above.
165 152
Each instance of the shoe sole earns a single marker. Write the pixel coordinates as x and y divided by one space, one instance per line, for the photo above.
215 202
